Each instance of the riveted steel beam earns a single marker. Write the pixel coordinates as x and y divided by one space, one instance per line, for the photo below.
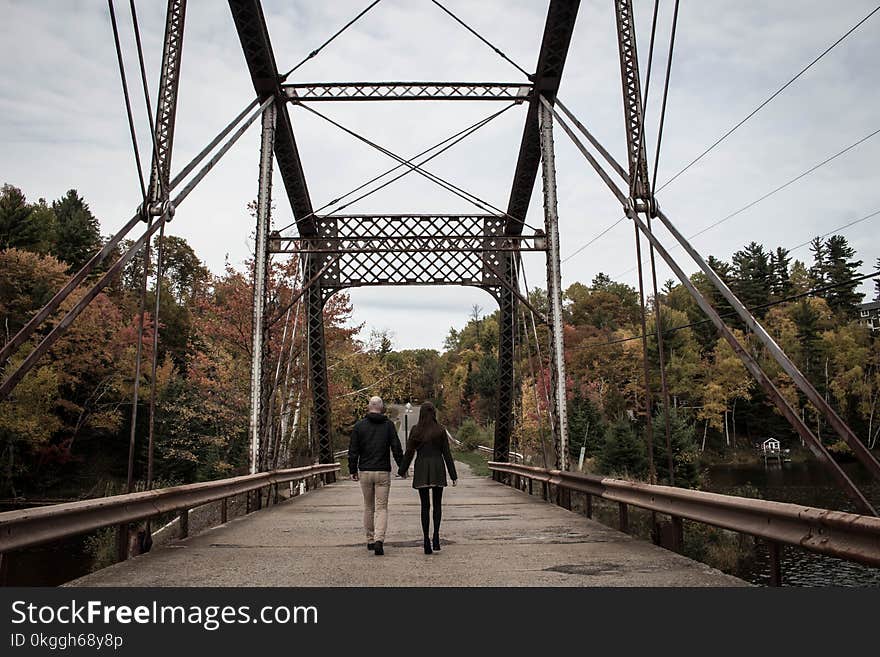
254 36
367 91
554 49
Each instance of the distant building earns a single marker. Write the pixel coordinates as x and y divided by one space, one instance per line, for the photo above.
869 315
770 446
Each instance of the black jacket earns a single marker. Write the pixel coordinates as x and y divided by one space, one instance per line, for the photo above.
371 441
430 446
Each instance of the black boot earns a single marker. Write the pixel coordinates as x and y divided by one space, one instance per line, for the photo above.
436 542
428 549
379 549
371 546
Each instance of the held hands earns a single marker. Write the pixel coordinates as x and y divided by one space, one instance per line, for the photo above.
354 477
455 482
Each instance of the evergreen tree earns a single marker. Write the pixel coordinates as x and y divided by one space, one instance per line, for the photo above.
585 426
840 269
780 278
622 454
752 275
684 448
877 282
79 236
24 226
820 262
806 320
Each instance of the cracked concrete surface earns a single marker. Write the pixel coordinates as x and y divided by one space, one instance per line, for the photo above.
492 536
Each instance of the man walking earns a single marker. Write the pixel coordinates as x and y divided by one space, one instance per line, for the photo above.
369 462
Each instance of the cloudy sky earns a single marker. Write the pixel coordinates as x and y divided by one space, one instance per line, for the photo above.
63 125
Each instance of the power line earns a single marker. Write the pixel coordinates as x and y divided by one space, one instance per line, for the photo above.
835 230
483 39
770 98
794 297
327 42
753 112
773 191
599 236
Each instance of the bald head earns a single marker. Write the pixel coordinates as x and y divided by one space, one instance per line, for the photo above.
376 405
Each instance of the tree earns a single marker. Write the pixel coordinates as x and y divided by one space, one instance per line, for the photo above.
752 276
780 278
839 271
27 282
877 282
585 425
24 226
684 448
622 454
820 262
79 236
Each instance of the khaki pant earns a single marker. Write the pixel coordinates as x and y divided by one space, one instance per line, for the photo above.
375 485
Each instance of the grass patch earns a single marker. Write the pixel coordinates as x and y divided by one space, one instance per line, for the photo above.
476 460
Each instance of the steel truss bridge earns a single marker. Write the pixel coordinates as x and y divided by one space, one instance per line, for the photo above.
340 251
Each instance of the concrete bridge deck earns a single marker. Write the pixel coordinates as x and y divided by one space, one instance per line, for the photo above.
494 536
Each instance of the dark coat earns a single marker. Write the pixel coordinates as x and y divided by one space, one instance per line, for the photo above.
430 445
372 439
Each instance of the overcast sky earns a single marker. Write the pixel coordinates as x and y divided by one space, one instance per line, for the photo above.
63 125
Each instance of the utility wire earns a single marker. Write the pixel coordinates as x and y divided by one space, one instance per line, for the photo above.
327 42
449 142
835 230
794 297
458 191
599 236
131 129
483 39
773 191
770 98
750 115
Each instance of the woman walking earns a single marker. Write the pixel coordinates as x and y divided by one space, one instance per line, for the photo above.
429 444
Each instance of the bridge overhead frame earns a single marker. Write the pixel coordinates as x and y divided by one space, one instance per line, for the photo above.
487 256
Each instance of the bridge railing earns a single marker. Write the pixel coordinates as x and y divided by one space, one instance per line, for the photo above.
29 527
838 534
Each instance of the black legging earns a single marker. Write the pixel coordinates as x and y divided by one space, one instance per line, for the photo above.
426 508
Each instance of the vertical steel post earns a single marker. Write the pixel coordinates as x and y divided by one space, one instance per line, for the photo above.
506 344
321 418
261 273
554 286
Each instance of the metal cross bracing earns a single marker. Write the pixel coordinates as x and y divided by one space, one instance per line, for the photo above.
364 91
408 250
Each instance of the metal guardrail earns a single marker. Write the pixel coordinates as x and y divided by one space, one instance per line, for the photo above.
834 533
516 456
28 527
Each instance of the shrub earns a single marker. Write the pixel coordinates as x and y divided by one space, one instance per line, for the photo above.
471 435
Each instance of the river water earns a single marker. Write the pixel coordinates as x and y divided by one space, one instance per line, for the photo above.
808 484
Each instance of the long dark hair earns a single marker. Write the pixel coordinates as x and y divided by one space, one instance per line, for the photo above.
427 429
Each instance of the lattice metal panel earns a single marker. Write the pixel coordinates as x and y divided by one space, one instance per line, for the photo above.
408 91
411 250
632 98
167 101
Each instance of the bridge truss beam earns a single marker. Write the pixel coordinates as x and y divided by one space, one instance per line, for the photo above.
254 36
558 29
372 91
257 424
